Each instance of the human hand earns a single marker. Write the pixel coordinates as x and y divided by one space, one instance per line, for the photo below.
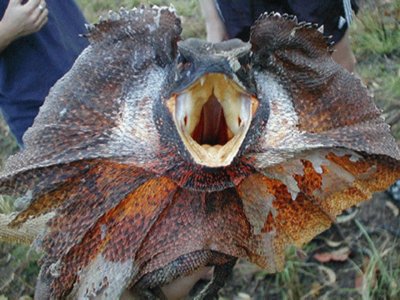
22 19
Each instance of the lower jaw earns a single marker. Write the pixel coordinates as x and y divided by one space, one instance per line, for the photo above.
214 155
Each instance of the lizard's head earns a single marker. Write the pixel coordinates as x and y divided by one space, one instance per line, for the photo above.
213 100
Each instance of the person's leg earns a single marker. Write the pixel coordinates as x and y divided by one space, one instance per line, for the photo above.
216 31
343 54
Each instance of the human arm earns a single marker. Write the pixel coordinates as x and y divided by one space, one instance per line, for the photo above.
216 31
21 19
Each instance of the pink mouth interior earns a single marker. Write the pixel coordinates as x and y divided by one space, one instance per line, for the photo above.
212 128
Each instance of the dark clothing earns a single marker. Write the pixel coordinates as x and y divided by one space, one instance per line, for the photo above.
239 15
30 65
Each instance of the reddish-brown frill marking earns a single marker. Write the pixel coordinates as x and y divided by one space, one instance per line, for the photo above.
118 234
311 120
256 200
43 202
354 167
267 248
142 211
239 172
46 202
195 221
299 219
371 174
98 190
310 181
271 187
269 224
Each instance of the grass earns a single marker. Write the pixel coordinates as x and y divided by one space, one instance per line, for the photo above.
289 278
8 144
376 42
380 279
381 33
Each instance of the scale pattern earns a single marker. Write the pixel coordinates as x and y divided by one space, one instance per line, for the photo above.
131 208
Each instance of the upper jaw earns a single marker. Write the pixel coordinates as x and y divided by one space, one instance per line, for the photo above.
212 117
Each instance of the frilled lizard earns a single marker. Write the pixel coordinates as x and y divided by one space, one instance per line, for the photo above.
157 156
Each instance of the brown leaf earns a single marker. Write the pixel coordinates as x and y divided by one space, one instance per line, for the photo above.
329 277
315 289
392 207
341 254
358 282
333 244
242 296
346 217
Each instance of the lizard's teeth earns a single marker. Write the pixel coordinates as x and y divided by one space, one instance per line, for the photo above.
237 112
235 105
189 110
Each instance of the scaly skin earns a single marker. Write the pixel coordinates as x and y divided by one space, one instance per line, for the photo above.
112 154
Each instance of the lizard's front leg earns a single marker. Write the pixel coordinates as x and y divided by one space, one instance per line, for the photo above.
184 266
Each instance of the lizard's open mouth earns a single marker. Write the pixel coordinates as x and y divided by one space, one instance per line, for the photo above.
212 117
